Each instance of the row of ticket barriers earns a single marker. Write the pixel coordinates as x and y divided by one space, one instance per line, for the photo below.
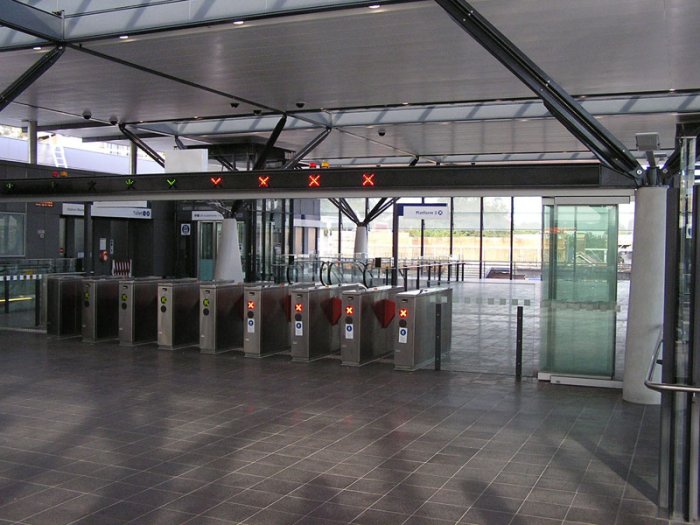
308 321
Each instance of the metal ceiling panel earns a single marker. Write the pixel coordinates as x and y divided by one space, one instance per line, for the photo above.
79 81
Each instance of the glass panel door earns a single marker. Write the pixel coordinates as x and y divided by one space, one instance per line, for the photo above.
209 234
580 290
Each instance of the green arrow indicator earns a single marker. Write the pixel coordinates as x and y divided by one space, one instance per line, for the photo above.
129 183
171 183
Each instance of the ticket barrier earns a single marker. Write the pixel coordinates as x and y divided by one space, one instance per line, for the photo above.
414 337
138 311
178 314
100 316
63 305
220 317
316 323
267 316
368 324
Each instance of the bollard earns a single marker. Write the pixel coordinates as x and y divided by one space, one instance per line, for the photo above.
37 301
7 296
519 345
438 333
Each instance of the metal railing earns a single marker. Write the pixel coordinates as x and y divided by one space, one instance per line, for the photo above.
431 272
694 452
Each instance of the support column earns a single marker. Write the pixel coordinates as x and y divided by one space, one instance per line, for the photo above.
646 306
31 132
88 261
228 258
133 158
360 251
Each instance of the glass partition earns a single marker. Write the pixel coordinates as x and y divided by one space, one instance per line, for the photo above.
579 275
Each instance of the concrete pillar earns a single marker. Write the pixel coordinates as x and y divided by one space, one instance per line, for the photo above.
228 258
31 132
360 250
646 303
133 158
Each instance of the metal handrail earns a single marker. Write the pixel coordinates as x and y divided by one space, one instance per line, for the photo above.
666 387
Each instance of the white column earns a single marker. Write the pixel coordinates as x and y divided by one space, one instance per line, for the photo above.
228 258
360 250
646 301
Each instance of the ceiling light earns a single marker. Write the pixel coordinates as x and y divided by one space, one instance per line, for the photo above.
123 37
374 6
37 48
239 22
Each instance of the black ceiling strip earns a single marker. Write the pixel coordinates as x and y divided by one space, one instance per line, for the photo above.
262 158
562 105
142 145
30 75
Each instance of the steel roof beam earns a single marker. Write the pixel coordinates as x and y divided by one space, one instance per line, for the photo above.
28 77
565 109
31 21
142 145
303 152
262 158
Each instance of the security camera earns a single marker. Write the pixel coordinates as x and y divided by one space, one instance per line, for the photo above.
235 104
257 111
87 114
113 120
300 104
381 132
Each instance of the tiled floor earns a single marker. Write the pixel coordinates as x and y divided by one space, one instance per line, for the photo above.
107 435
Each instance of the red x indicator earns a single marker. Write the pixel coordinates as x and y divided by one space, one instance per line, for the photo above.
251 305
298 307
216 181
368 179
263 182
349 310
314 181
403 313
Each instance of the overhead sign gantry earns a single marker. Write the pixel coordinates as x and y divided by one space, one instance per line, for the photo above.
26 183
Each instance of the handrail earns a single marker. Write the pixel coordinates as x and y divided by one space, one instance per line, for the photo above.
666 387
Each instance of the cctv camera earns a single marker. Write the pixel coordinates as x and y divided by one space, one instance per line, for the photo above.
257 111
113 120
381 132
300 104
87 114
234 104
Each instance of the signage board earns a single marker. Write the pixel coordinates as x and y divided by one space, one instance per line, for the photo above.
428 211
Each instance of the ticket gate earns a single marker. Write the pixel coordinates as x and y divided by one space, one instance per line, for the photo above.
368 322
100 316
414 337
178 315
266 321
63 306
220 317
315 325
138 314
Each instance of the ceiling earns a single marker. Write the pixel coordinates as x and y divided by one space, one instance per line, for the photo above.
356 70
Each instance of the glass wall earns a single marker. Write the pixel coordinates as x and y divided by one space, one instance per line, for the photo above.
527 237
436 233
12 234
495 255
